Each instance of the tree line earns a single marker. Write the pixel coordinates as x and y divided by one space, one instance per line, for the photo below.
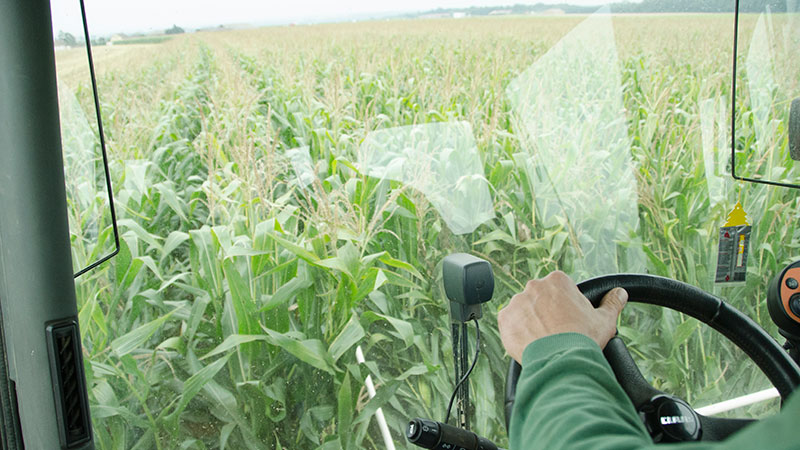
706 6
645 6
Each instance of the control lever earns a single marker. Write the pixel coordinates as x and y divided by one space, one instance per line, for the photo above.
441 436
783 303
468 283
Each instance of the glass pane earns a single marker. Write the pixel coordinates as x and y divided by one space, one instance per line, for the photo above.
768 87
287 194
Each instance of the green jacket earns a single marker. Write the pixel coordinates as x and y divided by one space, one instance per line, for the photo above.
568 398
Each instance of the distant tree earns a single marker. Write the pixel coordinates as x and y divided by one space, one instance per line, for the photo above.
67 38
174 30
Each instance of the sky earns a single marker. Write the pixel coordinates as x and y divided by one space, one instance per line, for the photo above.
106 17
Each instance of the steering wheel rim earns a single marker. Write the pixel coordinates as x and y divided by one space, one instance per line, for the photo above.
759 346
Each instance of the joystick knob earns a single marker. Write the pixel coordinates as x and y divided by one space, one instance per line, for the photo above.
783 300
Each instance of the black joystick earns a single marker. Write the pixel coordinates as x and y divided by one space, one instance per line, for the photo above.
783 303
441 436
468 283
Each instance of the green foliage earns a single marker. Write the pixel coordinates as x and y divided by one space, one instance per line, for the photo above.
231 316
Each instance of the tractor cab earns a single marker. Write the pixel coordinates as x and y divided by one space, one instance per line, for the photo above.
241 226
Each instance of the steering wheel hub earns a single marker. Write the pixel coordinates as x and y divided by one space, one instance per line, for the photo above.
670 419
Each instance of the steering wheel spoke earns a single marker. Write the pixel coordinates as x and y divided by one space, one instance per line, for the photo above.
628 375
717 428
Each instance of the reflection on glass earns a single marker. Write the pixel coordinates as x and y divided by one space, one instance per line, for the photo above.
440 160
301 163
568 109
713 129
87 198
761 85
78 141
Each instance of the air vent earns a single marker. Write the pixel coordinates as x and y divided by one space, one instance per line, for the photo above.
69 384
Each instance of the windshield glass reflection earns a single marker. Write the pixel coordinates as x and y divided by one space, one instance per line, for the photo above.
440 160
570 116
302 165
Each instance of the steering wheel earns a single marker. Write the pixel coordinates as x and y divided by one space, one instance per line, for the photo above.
666 417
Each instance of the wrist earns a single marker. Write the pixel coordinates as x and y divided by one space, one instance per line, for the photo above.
556 343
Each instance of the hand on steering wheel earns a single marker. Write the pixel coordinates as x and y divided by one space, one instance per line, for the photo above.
554 305
657 408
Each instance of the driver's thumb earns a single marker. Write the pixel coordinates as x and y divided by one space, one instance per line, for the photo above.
614 301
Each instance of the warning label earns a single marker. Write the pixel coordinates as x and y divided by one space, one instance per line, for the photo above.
732 256
734 240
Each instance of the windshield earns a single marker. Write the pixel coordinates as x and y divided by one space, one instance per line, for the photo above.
286 195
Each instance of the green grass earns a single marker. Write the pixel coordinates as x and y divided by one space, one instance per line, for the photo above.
230 317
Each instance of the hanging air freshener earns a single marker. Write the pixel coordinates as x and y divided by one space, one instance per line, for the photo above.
734 240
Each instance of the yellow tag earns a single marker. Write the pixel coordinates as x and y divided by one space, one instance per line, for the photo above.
734 239
737 217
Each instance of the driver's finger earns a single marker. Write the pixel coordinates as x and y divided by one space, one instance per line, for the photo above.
614 301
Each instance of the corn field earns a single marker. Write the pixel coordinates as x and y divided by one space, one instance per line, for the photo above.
249 273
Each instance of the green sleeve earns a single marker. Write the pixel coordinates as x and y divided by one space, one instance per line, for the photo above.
568 398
